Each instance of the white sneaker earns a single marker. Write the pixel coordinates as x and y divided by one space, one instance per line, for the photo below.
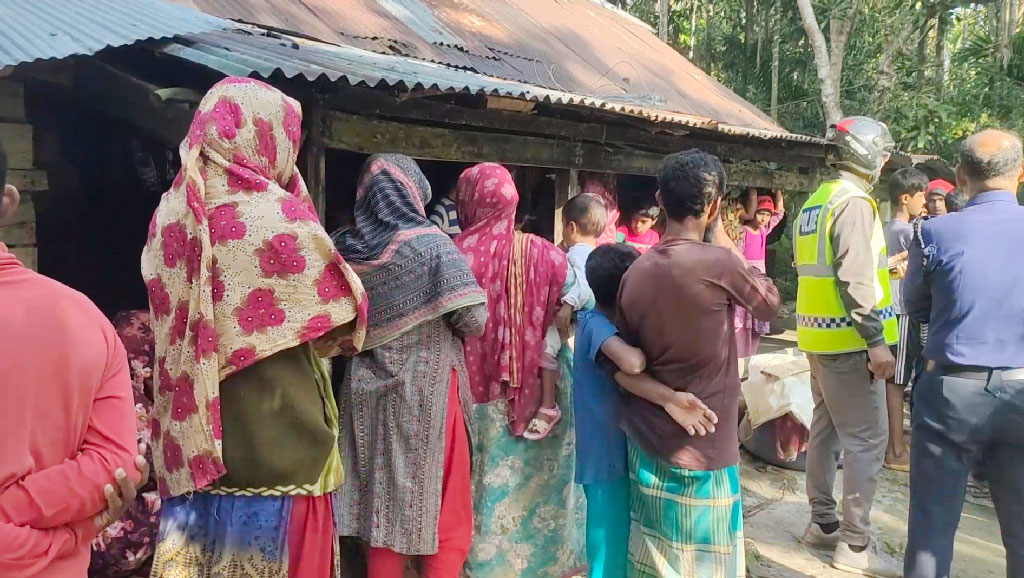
870 562
815 537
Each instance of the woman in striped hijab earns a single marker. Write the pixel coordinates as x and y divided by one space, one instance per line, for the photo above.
405 398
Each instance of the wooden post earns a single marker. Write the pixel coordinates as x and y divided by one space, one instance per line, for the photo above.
315 160
567 186
16 135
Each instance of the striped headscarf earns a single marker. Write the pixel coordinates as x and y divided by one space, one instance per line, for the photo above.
410 270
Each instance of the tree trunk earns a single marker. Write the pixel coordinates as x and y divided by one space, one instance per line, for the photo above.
890 52
663 20
775 63
922 50
831 106
1011 29
760 38
1004 23
707 34
839 29
693 27
748 41
941 30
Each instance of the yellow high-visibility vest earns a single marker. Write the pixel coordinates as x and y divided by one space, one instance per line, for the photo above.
823 324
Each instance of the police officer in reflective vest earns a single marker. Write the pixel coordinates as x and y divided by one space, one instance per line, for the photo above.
845 324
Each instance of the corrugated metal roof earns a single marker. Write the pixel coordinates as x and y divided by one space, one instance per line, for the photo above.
580 47
42 29
249 50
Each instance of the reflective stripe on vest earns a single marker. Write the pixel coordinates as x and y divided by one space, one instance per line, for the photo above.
823 324
817 322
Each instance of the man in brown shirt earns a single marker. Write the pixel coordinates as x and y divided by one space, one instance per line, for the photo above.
676 303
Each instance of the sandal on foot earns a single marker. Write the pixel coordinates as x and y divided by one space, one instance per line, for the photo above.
897 464
538 428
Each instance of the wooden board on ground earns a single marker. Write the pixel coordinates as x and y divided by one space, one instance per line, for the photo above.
12 101
27 256
17 141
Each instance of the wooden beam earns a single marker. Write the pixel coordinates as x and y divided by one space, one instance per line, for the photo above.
662 138
26 212
315 160
762 177
510 104
23 234
432 143
376 136
28 179
567 186
60 72
129 99
12 101
17 141
28 257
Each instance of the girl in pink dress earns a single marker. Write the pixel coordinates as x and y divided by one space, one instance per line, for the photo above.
755 243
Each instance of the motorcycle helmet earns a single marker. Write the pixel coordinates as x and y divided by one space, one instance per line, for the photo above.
859 145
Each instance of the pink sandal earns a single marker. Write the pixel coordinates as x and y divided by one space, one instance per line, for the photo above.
538 428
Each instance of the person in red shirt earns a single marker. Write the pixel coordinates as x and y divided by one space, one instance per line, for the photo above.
67 421
639 233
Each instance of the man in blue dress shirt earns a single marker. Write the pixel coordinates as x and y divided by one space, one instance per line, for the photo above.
966 278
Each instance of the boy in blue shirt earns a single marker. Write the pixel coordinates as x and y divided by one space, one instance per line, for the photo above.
600 444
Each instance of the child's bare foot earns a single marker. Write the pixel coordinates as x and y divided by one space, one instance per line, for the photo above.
542 423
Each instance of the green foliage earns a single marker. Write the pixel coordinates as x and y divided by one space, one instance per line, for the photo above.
928 103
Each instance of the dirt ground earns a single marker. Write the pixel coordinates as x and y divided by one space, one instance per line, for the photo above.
775 513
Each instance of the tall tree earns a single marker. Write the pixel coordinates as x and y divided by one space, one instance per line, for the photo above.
830 93
693 26
922 48
941 32
840 27
663 15
776 46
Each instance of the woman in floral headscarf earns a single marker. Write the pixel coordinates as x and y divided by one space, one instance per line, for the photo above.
246 293
407 485
529 513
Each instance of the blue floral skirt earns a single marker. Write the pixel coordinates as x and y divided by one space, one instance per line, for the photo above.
528 512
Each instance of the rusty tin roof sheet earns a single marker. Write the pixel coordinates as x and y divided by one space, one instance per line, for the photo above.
249 50
580 47
42 29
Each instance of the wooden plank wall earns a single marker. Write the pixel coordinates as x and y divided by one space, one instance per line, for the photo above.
16 135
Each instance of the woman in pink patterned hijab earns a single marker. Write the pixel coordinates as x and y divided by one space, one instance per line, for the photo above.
522 275
523 491
247 293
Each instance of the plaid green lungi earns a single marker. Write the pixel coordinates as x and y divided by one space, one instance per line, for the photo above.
684 523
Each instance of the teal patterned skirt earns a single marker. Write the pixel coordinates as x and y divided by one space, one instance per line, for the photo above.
684 523
529 515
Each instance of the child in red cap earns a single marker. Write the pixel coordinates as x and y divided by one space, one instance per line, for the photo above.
937 191
767 216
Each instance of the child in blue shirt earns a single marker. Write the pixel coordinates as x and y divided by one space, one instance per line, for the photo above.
600 445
